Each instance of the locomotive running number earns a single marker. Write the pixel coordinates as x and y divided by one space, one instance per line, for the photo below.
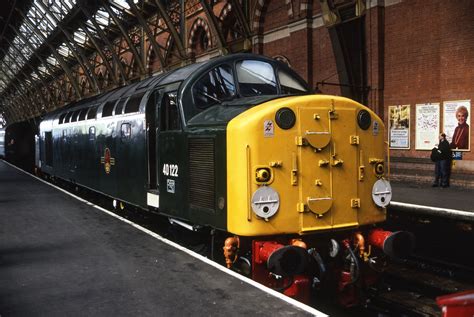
170 170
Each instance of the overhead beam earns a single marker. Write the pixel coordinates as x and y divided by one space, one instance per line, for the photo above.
102 55
40 58
236 7
211 17
40 75
131 46
178 40
58 57
149 33
26 76
77 52
104 37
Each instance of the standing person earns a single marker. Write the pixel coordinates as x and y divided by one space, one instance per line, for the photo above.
461 133
442 162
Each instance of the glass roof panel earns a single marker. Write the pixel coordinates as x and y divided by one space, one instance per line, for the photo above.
102 18
91 27
52 60
45 26
64 50
43 70
122 3
80 37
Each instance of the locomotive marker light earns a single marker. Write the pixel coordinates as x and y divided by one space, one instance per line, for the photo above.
379 169
382 193
285 118
263 175
363 119
265 202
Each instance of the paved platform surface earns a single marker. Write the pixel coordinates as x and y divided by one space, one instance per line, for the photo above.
62 257
438 197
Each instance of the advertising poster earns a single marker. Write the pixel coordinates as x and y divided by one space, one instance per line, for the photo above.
427 126
399 126
456 124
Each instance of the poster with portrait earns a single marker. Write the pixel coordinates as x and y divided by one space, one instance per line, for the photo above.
427 126
399 126
456 124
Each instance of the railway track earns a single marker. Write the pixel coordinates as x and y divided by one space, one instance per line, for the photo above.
411 287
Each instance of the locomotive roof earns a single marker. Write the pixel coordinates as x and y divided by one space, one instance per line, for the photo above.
187 75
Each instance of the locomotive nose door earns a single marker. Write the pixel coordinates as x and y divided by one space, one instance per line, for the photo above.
327 167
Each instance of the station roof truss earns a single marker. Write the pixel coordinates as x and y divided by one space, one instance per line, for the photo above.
53 52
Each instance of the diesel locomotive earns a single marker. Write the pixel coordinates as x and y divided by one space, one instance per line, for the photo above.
294 182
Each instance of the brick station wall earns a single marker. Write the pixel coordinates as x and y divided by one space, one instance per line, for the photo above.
429 57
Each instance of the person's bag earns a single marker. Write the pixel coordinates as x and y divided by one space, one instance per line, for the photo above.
435 154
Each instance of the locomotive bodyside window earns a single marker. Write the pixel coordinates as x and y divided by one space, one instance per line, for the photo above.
108 108
82 114
68 117
169 116
92 113
214 87
61 118
256 78
133 104
288 84
75 115
119 107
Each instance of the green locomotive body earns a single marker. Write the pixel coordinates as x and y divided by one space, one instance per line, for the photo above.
156 143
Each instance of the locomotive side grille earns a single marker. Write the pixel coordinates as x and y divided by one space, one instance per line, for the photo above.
202 173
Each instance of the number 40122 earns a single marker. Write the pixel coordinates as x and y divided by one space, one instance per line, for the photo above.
170 170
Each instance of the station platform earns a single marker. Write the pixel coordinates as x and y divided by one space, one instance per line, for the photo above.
451 202
61 256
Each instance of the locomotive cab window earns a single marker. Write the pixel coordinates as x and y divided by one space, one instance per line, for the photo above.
256 78
214 87
289 85
169 113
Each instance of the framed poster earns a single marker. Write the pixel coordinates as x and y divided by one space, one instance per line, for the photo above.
399 127
456 124
427 126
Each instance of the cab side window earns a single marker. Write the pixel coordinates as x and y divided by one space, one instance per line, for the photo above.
214 87
170 119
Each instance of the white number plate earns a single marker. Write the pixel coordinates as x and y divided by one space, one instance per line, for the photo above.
170 170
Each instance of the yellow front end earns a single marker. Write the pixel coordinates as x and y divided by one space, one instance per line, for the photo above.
323 168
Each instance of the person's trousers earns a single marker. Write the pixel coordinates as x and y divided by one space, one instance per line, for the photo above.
442 171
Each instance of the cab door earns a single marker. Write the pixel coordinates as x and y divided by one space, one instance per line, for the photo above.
152 126
172 166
